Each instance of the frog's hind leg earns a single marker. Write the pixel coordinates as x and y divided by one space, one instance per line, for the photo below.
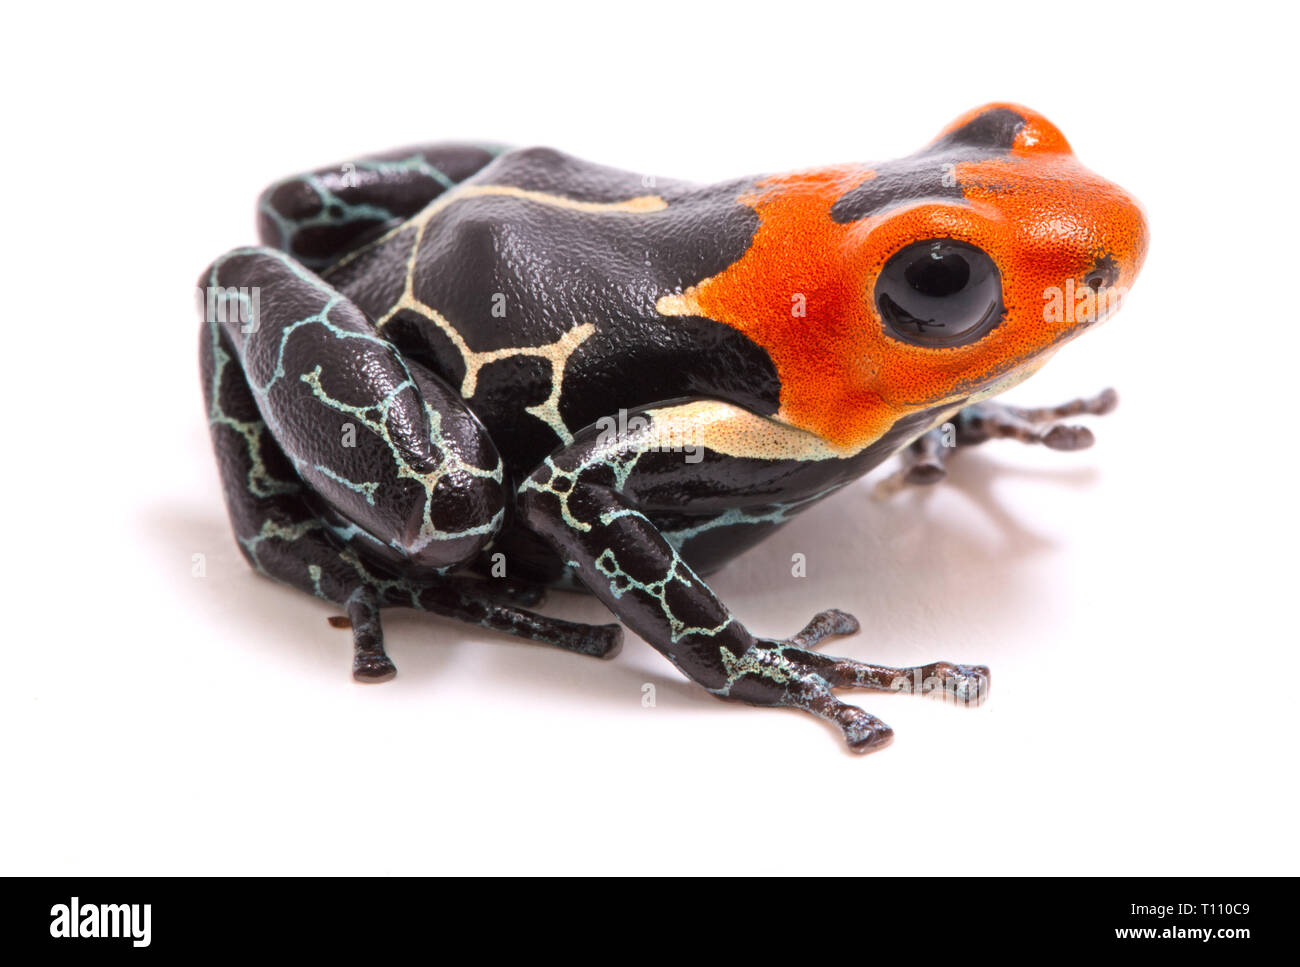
596 501
276 517
925 460
319 216
279 534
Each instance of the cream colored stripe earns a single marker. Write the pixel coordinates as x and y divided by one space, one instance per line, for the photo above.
638 205
641 203
735 432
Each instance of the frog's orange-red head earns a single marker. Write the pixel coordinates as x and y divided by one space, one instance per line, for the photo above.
885 289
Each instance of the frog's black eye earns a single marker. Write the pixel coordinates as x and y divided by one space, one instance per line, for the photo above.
939 293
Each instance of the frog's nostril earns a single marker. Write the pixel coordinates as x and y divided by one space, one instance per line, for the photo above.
1103 274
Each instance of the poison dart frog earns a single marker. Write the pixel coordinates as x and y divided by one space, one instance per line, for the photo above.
452 376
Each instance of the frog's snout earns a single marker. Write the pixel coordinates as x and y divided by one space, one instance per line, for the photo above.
1122 225
1111 254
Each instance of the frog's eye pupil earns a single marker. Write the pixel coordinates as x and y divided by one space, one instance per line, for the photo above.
939 293
939 274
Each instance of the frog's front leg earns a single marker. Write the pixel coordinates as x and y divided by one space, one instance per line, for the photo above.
594 502
925 460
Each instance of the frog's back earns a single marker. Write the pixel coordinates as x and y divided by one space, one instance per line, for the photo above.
532 288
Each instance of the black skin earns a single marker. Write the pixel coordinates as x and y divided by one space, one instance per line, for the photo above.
361 465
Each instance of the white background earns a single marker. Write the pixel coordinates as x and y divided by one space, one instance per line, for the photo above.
1136 601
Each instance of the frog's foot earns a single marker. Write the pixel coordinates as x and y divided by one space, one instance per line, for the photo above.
925 459
987 421
787 673
465 601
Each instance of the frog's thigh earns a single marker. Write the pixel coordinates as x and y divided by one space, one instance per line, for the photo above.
278 531
320 215
386 445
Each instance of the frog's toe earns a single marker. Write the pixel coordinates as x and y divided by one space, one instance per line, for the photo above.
1064 436
862 731
870 737
603 641
831 623
373 668
1098 405
963 684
